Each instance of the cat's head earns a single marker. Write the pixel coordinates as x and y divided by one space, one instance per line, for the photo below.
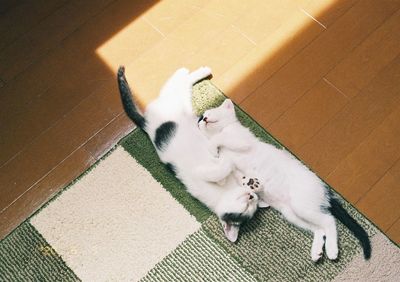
214 120
235 209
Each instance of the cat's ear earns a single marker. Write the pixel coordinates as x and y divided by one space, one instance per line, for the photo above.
228 104
231 231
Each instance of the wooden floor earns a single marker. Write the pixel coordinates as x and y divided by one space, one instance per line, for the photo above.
321 75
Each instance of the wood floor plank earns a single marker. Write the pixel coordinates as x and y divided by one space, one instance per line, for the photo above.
361 65
394 232
289 34
29 13
314 62
198 27
221 55
326 11
46 35
257 26
324 151
49 149
306 117
183 47
6 5
108 137
381 203
367 163
166 17
66 76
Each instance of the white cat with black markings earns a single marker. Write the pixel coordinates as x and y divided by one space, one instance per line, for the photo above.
170 123
285 183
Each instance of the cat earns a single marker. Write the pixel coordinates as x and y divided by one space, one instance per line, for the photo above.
171 125
284 182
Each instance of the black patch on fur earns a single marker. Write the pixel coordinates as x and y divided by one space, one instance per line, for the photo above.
171 168
164 133
234 218
336 209
200 118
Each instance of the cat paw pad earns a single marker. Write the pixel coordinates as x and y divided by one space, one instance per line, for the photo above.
252 183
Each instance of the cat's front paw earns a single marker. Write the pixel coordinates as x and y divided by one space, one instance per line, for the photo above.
262 204
214 151
252 183
205 71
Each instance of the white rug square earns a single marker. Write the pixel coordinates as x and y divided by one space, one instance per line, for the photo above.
115 223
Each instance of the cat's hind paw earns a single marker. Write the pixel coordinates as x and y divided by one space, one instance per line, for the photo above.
316 256
332 251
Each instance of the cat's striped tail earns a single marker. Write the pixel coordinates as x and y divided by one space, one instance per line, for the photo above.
130 107
343 216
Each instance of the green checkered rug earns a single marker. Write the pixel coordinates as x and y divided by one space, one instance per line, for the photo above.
127 218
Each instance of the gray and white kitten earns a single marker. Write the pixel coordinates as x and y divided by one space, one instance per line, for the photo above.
285 183
171 124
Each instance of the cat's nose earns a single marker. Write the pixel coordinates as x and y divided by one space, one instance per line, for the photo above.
251 197
205 119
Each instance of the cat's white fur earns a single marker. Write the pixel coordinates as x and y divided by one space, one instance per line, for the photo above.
187 149
287 185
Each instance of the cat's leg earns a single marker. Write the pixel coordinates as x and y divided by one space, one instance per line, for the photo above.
199 74
325 222
317 245
292 217
215 172
175 79
331 244
233 144
318 241
186 94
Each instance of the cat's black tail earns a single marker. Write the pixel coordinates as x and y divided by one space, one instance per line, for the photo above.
127 100
343 216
